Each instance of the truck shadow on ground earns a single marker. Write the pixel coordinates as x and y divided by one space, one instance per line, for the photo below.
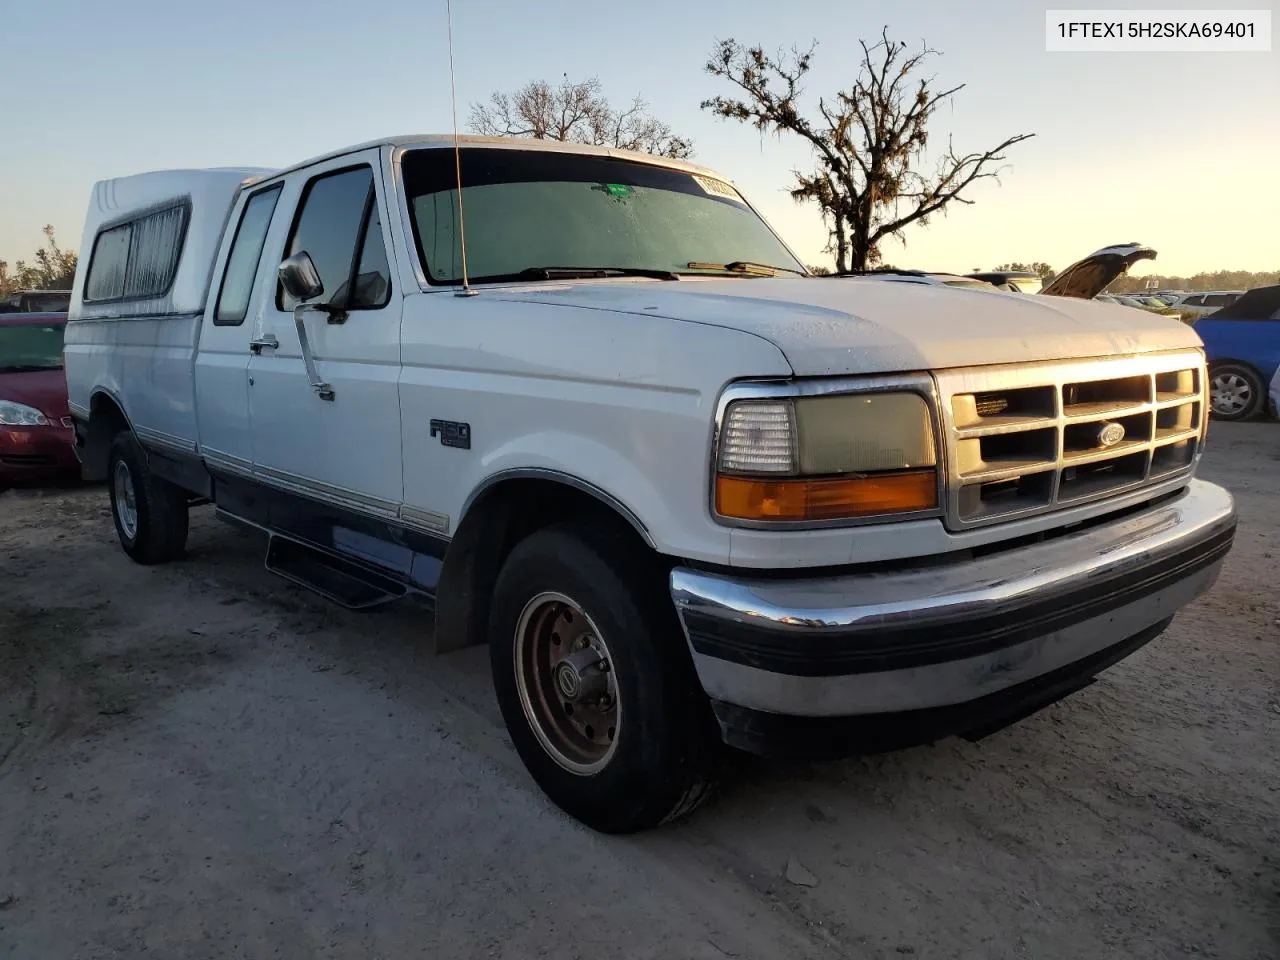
391 648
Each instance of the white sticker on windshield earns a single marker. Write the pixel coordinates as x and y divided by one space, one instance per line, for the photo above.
717 188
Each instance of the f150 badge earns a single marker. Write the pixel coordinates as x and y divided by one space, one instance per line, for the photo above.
452 433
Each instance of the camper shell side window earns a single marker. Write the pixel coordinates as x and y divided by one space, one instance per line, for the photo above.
137 258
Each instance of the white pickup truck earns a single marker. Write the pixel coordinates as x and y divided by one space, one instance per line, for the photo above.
687 493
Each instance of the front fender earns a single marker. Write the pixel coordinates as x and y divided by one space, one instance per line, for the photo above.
663 500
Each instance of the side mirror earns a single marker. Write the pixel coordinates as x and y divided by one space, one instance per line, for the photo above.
299 277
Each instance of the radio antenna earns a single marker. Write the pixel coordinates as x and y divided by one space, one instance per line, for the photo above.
466 290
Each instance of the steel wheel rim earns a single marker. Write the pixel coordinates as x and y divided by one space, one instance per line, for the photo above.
1231 393
556 644
126 502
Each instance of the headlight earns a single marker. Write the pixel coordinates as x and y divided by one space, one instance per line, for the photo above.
835 457
20 415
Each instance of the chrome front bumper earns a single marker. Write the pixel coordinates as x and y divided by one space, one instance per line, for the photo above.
865 644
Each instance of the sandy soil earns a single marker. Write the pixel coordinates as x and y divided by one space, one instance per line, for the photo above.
202 761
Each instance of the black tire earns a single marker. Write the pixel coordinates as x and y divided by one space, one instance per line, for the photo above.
158 532
1236 391
660 767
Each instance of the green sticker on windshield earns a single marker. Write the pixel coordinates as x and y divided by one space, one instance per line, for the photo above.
619 189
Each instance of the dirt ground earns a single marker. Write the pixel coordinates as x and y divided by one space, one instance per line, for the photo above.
202 761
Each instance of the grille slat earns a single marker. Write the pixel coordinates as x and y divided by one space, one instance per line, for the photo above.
1029 439
1007 471
1103 409
1176 436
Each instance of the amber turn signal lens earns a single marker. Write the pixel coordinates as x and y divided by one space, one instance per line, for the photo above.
838 498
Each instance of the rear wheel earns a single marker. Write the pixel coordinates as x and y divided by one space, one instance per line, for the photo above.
595 682
150 514
1236 391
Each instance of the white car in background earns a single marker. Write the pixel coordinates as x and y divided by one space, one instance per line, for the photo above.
1130 301
1203 304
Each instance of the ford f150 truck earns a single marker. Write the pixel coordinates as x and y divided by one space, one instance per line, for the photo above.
593 408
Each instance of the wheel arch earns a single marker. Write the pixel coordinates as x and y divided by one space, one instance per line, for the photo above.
1234 362
501 512
107 418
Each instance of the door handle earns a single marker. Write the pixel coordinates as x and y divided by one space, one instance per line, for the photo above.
266 340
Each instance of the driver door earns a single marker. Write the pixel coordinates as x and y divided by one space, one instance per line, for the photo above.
339 446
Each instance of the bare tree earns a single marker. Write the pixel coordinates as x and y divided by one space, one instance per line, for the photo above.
576 112
869 140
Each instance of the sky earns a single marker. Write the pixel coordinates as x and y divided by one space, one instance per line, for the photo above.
1175 150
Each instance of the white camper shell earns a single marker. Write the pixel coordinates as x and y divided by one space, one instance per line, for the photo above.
160 232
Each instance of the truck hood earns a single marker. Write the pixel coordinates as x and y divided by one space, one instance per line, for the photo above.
850 326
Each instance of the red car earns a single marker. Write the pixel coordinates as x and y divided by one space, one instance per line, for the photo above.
36 436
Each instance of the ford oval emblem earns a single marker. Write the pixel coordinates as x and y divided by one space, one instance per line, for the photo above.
1109 434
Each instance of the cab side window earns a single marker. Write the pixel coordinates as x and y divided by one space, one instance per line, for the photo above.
339 227
242 263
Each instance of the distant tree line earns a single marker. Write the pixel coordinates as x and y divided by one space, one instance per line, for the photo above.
52 269
1214 280
1040 269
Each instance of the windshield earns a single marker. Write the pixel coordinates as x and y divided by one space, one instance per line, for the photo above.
527 209
31 347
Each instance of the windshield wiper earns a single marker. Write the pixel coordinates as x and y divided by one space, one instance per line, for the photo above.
749 267
593 273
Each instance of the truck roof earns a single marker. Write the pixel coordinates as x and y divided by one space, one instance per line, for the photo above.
407 141
208 195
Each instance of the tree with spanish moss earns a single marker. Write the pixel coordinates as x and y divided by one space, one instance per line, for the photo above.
869 140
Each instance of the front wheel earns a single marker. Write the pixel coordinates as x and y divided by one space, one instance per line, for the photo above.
150 514
1235 391
595 683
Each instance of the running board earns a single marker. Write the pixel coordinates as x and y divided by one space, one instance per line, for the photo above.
345 582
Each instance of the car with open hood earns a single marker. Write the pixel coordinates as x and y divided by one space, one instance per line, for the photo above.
1087 278
686 493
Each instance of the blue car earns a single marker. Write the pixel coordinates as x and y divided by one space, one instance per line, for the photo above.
1242 343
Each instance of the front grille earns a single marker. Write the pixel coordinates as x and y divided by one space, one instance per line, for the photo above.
1029 439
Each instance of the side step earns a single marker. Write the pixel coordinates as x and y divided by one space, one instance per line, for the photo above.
345 582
